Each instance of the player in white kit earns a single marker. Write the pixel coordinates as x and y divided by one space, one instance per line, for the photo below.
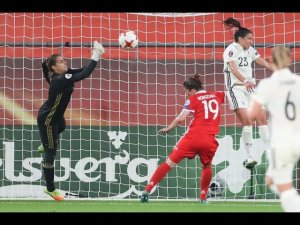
281 95
240 83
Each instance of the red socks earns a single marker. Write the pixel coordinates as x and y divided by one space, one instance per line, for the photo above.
164 168
205 181
158 175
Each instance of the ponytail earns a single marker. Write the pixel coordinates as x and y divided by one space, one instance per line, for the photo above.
46 70
47 66
193 82
241 32
230 22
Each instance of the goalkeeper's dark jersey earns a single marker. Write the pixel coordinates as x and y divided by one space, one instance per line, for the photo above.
60 91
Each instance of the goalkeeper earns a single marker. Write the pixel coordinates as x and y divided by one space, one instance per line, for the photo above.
50 118
199 138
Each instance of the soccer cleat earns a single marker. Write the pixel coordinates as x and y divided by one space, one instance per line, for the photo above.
250 162
41 149
145 197
55 194
203 201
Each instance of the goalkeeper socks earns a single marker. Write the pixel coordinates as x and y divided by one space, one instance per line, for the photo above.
158 175
290 200
49 177
206 175
264 134
248 140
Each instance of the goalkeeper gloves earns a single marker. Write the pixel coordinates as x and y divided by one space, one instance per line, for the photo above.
97 51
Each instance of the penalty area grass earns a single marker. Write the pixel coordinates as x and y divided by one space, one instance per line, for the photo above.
135 206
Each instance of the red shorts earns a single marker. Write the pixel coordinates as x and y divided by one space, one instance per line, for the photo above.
204 145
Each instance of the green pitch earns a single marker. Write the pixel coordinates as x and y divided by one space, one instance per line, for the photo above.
135 206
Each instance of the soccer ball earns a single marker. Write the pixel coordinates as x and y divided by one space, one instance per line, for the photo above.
128 39
217 187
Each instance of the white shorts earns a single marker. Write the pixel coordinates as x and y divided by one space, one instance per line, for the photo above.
282 161
238 97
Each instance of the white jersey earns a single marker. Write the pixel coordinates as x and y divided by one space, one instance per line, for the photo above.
281 95
243 59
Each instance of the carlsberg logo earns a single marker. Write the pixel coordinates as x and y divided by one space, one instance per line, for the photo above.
80 167
122 169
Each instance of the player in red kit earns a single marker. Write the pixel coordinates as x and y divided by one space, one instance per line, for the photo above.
200 137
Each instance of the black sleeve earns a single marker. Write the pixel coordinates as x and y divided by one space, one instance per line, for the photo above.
72 71
86 72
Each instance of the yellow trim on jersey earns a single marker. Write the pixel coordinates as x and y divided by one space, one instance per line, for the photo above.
50 137
49 117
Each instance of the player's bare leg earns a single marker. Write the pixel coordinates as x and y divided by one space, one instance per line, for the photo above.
242 115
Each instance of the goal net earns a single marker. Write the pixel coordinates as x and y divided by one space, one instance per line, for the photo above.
110 147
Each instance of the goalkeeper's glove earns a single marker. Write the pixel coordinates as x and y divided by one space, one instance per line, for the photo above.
97 51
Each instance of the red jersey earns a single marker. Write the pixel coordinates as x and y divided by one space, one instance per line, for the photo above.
206 108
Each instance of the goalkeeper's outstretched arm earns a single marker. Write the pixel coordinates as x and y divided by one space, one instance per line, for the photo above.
55 64
88 69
